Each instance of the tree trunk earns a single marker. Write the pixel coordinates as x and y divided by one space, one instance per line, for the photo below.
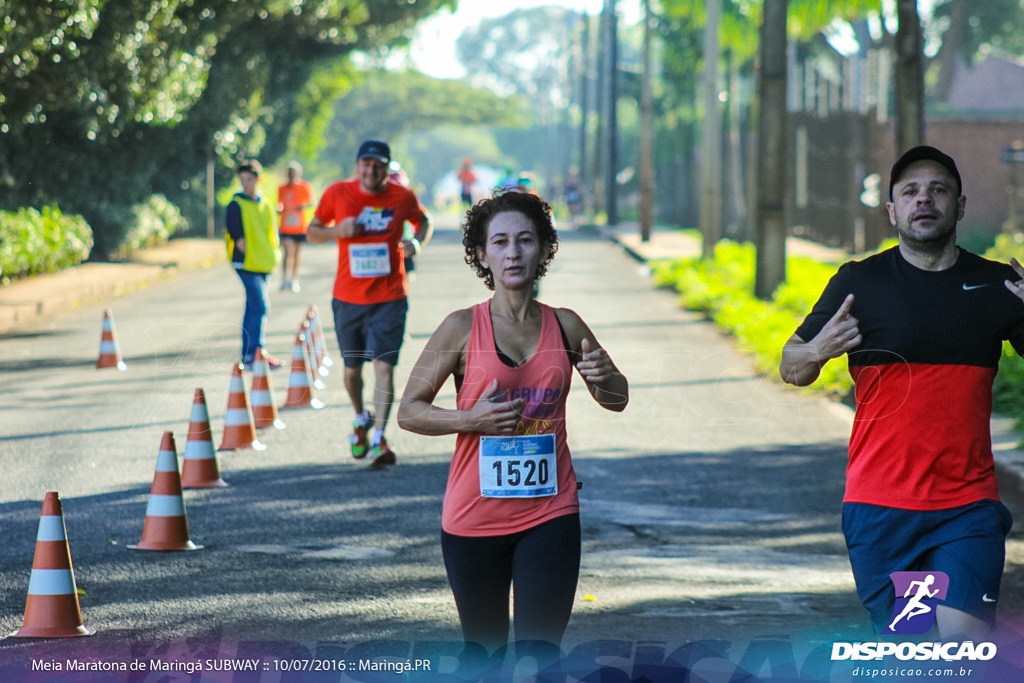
770 226
646 143
909 78
711 149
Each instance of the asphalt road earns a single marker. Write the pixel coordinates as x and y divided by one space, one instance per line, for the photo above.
710 506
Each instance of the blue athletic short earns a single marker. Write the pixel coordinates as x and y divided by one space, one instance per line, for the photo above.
968 543
370 331
293 236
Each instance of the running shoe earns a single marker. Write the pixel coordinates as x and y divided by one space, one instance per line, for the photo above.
295 287
382 455
359 439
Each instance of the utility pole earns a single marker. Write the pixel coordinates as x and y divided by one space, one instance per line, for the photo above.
600 157
610 118
711 148
909 77
770 224
646 134
211 196
584 86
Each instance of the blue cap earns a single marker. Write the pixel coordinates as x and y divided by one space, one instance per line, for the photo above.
374 149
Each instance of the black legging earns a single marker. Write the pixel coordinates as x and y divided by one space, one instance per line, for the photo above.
542 563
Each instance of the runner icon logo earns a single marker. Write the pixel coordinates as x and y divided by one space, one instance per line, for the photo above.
917 594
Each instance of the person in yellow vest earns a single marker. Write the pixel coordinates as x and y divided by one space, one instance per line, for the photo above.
294 201
253 247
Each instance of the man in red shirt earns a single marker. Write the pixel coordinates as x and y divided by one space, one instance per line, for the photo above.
294 199
366 215
922 325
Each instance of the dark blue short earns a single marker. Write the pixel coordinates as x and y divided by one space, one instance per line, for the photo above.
370 331
968 543
293 236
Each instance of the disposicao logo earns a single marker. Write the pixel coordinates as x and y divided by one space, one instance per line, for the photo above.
917 594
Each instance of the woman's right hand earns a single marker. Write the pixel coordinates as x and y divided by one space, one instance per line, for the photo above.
492 414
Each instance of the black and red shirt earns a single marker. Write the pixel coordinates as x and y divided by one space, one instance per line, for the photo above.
923 373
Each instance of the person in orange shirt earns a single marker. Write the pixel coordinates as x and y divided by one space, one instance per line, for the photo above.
366 215
294 199
466 180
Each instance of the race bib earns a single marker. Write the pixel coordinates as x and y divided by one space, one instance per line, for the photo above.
518 466
293 220
369 260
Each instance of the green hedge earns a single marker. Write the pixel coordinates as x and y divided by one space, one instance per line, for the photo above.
41 241
723 291
33 241
153 222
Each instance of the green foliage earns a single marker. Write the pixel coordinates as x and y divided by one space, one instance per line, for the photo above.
104 103
993 24
524 52
1008 390
386 104
722 289
1007 246
34 242
154 221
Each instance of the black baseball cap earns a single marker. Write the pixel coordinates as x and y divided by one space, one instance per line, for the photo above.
252 166
924 153
375 149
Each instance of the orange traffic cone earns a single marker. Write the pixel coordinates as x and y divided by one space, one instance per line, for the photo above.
199 467
110 352
311 362
52 610
166 526
239 430
300 390
264 409
321 340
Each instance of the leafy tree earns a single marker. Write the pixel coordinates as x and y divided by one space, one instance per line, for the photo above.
964 30
106 101
386 104
527 53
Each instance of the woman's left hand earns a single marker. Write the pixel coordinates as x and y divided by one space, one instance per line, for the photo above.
596 366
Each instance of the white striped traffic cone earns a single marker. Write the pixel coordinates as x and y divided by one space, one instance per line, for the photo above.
166 526
318 329
110 350
199 465
51 609
315 347
311 363
300 390
239 430
261 398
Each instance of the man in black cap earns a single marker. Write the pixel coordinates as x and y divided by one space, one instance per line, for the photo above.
367 216
922 325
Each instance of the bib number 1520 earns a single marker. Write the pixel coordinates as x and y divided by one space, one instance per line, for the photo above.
518 466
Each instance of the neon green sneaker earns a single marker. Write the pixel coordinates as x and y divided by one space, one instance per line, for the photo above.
359 440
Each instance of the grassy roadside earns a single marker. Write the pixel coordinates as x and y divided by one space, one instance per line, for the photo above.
722 290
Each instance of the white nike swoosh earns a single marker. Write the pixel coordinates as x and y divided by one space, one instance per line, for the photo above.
985 598
968 287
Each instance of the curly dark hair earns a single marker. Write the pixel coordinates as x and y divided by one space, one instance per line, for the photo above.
478 220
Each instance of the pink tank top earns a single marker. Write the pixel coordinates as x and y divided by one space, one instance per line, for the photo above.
503 485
